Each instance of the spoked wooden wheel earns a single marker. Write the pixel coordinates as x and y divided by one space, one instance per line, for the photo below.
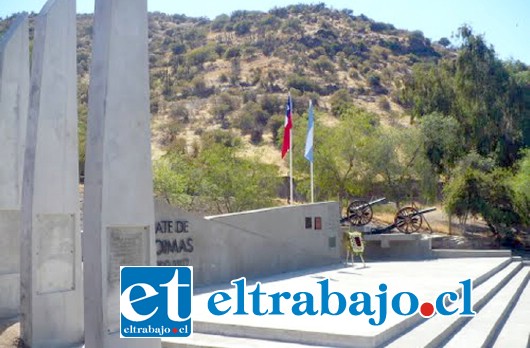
408 220
359 213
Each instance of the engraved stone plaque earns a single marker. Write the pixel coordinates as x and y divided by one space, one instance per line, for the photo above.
332 242
55 235
9 241
127 246
10 295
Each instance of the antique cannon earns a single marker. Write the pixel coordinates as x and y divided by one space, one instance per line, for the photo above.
407 220
359 212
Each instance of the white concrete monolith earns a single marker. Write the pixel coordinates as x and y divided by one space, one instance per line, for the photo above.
118 205
51 291
14 94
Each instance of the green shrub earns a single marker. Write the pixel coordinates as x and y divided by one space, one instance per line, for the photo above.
271 104
219 23
201 55
242 28
384 104
302 83
232 52
340 100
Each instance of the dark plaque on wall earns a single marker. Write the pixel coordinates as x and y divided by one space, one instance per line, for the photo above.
318 223
308 222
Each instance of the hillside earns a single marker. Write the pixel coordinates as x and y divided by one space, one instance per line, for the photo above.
234 72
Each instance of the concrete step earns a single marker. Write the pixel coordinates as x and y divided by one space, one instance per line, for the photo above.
267 334
516 331
482 329
436 330
199 340
459 253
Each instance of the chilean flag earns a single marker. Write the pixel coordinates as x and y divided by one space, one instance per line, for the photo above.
288 125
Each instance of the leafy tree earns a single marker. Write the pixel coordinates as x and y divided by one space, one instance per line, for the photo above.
238 184
338 165
442 141
217 177
430 89
172 183
477 89
444 42
479 188
396 156
522 79
483 88
520 184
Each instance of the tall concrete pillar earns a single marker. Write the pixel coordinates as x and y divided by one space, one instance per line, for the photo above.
14 94
118 205
51 292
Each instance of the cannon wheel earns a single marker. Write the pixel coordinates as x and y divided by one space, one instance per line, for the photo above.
359 213
408 220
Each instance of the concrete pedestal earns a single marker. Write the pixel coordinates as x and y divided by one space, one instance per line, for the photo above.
51 292
14 93
119 208
397 246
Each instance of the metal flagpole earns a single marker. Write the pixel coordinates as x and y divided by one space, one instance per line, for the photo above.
312 184
291 152
312 158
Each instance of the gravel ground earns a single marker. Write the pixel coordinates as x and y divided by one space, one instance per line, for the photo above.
9 333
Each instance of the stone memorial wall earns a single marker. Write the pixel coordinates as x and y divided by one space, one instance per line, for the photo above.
51 290
253 243
14 94
118 206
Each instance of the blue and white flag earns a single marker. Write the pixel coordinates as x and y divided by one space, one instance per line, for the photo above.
308 154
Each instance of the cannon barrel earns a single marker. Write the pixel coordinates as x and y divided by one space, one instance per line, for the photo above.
371 203
425 211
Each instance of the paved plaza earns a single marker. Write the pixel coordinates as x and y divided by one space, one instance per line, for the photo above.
426 279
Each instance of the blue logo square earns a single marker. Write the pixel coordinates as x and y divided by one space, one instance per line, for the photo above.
155 301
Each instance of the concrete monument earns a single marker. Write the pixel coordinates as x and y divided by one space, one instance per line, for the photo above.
51 294
249 244
118 206
14 92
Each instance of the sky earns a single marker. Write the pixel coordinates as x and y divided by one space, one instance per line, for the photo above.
505 24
